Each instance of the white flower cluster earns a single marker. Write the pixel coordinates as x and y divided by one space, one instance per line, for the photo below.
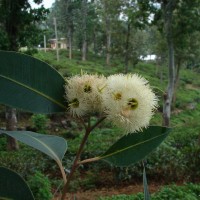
127 100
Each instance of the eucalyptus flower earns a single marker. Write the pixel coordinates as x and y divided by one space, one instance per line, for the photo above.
83 93
129 101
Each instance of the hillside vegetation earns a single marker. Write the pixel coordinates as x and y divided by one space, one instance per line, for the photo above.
176 160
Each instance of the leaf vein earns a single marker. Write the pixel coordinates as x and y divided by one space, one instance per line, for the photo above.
121 150
46 146
34 90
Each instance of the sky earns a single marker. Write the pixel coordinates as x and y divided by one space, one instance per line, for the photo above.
46 3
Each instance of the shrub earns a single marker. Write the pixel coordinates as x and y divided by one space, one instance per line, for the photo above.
25 161
186 192
39 122
3 143
31 51
139 196
40 186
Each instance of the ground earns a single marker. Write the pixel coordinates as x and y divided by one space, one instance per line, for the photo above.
96 193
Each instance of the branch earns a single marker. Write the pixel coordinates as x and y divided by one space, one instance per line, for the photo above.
80 150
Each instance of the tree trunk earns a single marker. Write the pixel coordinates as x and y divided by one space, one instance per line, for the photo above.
170 89
168 11
126 57
94 42
69 34
107 21
161 73
69 26
159 70
84 50
176 81
11 125
84 42
108 40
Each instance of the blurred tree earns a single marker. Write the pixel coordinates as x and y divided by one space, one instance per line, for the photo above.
109 13
84 11
64 11
77 21
136 18
19 21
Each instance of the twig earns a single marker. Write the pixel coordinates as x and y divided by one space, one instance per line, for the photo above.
89 160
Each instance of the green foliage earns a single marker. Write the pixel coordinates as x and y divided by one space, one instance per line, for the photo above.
175 159
40 186
133 147
139 196
39 122
98 141
30 90
12 186
186 98
53 146
186 192
31 51
87 183
20 18
67 67
25 161
3 143
4 42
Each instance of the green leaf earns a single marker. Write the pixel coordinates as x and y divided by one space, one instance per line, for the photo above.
146 191
13 186
30 84
53 146
133 147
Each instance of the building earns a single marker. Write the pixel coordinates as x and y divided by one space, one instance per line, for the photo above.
62 43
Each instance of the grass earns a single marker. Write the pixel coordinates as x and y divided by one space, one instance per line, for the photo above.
69 67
